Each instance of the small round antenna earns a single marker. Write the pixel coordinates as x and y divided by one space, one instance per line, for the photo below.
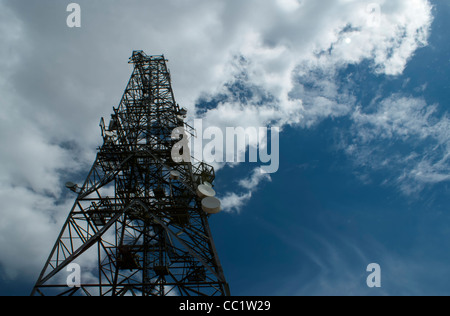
211 205
208 184
109 134
174 175
204 191
72 186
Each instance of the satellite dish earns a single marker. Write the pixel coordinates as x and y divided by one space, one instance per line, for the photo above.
109 134
174 175
211 205
208 184
183 112
204 191
72 186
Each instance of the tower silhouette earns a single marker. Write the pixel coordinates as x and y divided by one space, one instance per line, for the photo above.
139 225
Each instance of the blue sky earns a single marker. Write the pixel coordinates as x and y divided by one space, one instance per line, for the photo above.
364 169
321 220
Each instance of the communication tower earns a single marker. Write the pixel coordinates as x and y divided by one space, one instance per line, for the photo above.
139 225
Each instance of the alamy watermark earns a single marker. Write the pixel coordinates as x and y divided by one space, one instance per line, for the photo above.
215 145
74 18
74 278
374 278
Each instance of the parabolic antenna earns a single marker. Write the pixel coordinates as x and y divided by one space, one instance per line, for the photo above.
109 134
207 184
174 175
72 186
211 205
204 191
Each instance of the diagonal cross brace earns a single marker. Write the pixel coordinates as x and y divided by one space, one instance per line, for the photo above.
88 244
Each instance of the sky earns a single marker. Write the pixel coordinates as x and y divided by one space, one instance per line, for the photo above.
359 90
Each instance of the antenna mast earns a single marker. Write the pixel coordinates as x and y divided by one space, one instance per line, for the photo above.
139 225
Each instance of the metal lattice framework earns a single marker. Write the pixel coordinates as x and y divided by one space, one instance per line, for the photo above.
135 228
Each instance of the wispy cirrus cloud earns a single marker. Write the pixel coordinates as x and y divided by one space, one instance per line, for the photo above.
406 136
330 261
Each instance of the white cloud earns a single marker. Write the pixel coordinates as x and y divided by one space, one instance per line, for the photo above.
289 5
30 223
291 50
397 116
234 202
253 181
413 124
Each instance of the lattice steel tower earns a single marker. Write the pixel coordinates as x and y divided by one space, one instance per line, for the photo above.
139 225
